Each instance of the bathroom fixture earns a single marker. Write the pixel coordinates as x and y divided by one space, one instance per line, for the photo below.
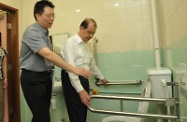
120 119
58 40
138 82
56 85
53 101
172 100
168 102
142 108
164 84
56 78
156 75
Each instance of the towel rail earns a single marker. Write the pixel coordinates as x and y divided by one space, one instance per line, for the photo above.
130 113
138 82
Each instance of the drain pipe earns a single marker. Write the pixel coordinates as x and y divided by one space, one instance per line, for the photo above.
155 32
156 39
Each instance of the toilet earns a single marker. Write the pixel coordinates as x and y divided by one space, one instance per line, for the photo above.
142 108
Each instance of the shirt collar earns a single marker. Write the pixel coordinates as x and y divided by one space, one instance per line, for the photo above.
79 40
45 31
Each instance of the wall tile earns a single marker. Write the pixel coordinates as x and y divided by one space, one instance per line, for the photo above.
134 14
122 59
137 58
132 3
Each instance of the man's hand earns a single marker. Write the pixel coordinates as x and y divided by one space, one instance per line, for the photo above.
82 72
85 98
105 81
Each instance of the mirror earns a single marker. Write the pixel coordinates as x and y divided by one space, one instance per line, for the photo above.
57 40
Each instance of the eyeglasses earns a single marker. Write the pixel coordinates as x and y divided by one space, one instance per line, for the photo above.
49 15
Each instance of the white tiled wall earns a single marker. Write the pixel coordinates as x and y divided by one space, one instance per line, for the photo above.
123 25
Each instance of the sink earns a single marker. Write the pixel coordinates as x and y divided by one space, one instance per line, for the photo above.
56 78
57 85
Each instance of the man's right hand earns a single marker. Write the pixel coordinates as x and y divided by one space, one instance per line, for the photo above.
82 72
85 98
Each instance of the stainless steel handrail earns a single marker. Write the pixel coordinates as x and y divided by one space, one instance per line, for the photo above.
129 98
129 113
133 114
138 82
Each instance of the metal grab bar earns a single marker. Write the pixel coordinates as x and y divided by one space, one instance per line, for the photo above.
138 82
132 114
130 98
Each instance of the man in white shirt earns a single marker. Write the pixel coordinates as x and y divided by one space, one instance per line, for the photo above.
76 88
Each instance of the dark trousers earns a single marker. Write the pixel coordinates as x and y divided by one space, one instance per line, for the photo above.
77 111
36 88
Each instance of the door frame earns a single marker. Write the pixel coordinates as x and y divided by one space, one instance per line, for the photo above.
13 64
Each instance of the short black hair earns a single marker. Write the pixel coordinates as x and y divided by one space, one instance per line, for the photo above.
40 5
86 21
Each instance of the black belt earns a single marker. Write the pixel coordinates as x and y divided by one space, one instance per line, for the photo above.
48 71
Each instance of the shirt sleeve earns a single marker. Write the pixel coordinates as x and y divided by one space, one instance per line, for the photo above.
35 40
94 69
69 55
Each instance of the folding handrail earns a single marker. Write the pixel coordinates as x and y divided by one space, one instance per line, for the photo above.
138 82
161 100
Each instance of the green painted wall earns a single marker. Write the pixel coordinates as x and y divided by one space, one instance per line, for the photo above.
116 67
177 56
